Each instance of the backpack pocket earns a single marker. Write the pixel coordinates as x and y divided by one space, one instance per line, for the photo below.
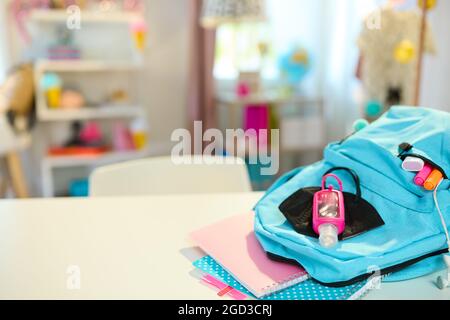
416 153
380 172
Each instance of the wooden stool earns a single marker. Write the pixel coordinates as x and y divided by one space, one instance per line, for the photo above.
15 175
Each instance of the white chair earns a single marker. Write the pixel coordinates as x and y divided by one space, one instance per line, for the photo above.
167 175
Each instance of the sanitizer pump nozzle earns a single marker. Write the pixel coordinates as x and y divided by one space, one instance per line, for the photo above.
329 213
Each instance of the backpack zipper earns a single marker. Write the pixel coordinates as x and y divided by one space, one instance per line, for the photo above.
385 271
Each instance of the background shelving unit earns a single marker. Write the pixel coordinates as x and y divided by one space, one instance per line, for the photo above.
85 65
58 15
86 112
93 72
50 164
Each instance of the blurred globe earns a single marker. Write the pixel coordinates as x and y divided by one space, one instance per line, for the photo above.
294 65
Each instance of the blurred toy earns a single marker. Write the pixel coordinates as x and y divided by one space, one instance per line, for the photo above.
17 95
263 49
58 4
62 4
84 140
373 109
139 132
107 5
51 83
51 80
249 82
394 96
64 48
256 118
139 30
119 96
242 90
430 4
404 52
79 188
16 120
88 135
133 5
91 134
71 99
74 139
294 65
391 55
122 138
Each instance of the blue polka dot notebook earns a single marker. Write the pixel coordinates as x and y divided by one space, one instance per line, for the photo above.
306 290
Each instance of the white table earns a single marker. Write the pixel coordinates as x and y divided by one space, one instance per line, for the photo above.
125 248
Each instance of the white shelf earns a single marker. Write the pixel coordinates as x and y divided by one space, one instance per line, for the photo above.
94 160
60 16
269 97
88 113
85 66
123 66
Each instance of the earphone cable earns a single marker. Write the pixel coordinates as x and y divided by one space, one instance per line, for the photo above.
444 224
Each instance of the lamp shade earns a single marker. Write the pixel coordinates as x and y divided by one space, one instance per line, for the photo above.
217 12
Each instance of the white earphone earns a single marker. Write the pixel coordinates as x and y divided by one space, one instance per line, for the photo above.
442 282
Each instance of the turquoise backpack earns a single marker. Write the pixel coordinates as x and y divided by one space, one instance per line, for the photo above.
411 239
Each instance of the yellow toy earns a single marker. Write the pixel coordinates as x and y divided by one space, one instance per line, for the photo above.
139 30
430 4
405 52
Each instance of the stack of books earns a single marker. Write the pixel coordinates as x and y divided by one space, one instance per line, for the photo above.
236 263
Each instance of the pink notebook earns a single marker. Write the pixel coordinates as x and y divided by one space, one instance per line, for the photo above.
232 243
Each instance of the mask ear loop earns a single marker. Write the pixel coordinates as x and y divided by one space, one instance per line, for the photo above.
330 175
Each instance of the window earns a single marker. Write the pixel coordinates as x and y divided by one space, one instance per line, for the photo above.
241 47
250 47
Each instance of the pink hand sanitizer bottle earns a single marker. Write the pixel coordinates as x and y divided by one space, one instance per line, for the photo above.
329 213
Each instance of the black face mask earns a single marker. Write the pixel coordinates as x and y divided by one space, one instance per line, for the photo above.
360 215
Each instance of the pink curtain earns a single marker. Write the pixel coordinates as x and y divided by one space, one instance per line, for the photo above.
201 104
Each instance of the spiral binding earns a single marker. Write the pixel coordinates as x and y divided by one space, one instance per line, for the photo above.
280 285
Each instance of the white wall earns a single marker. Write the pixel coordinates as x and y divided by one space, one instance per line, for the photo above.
165 78
4 48
436 77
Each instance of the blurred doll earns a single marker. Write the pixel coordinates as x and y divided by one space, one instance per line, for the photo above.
389 55
17 98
